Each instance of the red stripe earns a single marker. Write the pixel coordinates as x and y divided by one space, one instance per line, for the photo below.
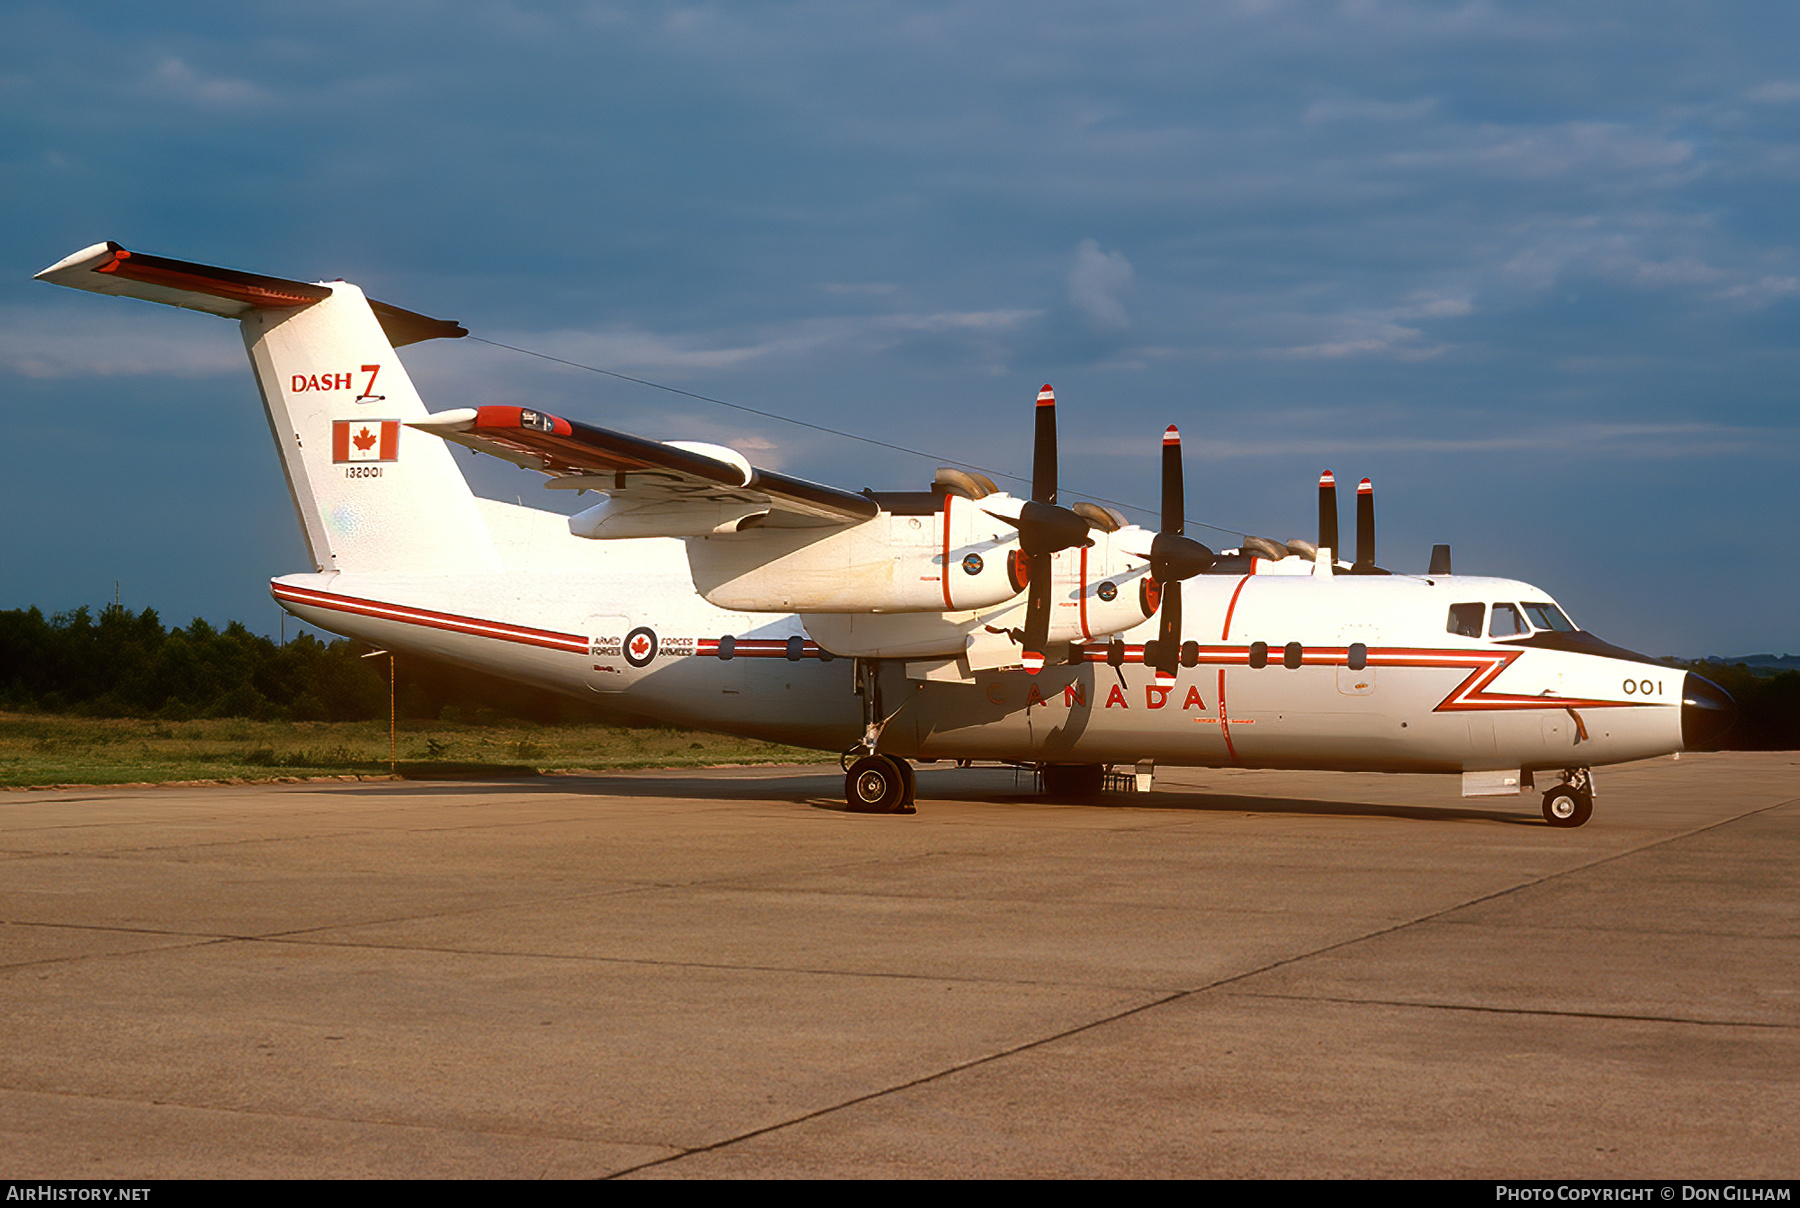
944 572
450 622
1224 725
1081 595
1225 635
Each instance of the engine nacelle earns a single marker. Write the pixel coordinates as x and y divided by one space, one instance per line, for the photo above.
936 553
1096 592
1102 589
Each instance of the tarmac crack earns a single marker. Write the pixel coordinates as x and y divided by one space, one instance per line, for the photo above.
1550 1012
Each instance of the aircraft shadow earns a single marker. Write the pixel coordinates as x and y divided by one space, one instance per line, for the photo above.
822 789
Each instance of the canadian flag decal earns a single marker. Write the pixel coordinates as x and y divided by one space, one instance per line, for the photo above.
365 440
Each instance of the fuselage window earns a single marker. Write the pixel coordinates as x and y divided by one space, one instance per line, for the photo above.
1548 616
1465 619
1507 622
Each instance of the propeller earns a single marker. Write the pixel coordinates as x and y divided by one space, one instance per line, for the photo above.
1328 515
1173 557
1044 528
1365 526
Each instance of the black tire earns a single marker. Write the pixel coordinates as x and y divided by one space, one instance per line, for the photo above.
874 785
1566 807
909 787
1073 781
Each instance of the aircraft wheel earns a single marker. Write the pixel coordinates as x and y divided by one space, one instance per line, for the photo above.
1073 781
909 787
874 784
1567 807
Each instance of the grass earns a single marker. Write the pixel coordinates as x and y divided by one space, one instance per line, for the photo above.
44 749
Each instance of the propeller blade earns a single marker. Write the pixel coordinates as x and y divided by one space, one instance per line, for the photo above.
1328 514
1043 450
1037 612
1365 526
1174 508
1167 654
1174 557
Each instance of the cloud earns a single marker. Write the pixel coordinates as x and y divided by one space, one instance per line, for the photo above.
1098 282
174 77
1775 92
1763 292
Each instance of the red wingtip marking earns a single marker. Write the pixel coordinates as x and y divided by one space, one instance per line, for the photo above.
1046 396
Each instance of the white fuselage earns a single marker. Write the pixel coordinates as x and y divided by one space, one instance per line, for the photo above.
622 621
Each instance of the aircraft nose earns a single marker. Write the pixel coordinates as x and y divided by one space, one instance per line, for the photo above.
1707 711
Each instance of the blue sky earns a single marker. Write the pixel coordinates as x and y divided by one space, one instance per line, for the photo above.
1535 268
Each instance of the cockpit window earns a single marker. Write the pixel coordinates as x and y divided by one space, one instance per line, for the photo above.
1465 620
1507 622
1548 616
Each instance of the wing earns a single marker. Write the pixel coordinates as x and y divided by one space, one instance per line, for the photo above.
676 480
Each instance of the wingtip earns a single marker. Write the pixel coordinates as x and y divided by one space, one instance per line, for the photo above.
87 258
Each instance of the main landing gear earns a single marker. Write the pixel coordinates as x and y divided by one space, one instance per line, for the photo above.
1072 781
1571 804
880 784
875 783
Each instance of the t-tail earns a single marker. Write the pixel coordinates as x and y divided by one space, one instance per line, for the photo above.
372 495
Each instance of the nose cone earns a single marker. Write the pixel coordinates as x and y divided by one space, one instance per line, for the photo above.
1707 711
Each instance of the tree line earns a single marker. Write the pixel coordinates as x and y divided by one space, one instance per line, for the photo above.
1768 705
125 664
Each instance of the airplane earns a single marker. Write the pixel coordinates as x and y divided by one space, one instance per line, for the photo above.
955 623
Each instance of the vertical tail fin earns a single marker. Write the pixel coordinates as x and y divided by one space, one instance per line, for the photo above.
371 495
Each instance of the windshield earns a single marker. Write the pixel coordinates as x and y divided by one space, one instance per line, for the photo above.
1546 615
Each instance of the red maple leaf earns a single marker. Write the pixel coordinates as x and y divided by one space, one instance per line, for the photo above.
364 440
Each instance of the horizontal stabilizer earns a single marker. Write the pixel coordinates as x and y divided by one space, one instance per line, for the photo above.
632 468
107 268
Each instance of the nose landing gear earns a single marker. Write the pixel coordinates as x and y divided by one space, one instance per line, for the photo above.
1571 804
